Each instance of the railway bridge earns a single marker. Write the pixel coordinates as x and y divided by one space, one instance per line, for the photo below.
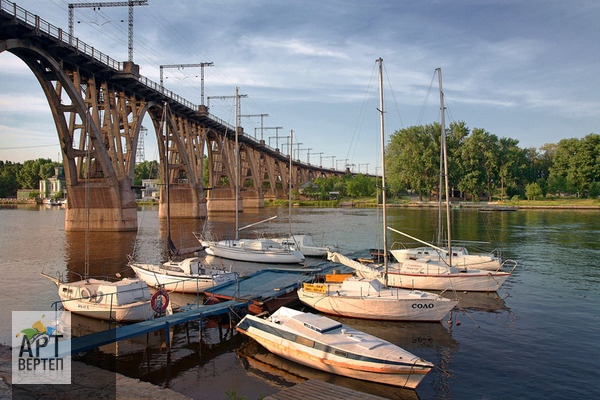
98 105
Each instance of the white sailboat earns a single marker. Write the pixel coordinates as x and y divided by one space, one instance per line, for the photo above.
368 298
322 343
126 300
262 250
459 256
428 274
189 275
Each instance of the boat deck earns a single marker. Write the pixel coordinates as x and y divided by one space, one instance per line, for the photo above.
94 340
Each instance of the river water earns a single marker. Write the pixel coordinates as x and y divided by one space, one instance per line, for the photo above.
537 337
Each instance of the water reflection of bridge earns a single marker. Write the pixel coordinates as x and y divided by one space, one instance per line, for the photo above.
89 92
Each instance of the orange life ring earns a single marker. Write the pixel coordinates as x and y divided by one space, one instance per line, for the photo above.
159 306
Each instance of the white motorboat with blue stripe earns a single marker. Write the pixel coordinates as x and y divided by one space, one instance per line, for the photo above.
322 343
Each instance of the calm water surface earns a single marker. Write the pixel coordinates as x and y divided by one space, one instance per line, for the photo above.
538 337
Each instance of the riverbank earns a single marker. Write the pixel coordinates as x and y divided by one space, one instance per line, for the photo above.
87 382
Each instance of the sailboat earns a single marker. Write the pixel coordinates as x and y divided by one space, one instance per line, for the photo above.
460 255
126 300
368 298
262 250
189 275
429 274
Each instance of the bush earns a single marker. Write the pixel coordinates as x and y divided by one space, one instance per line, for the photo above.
533 191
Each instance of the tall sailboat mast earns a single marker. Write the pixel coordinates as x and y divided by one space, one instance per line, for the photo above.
445 154
237 163
164 127
290 186
381 111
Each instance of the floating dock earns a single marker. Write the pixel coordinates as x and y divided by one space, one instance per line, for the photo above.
264 290
94 340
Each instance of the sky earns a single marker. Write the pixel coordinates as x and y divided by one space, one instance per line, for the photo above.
522 69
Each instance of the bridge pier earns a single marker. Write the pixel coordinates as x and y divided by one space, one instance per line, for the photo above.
219 200
184 203
107 210
252 199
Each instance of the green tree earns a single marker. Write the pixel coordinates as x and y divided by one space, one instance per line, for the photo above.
479 157
412 159
8 178
509 164
145 170
533 191
360 186
29 176
577 161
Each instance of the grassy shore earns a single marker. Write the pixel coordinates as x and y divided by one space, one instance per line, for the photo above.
560 203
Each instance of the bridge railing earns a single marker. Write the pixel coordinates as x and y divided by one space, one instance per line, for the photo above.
42 26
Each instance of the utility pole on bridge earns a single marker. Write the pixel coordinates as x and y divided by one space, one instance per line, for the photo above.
298 150
261 122
237 104
367 164
129 3
181 66
277 128
307 154
320 159
337 161
332 160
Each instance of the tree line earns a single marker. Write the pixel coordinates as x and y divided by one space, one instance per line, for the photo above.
480 166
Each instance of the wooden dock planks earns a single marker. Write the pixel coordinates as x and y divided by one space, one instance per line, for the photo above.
317 390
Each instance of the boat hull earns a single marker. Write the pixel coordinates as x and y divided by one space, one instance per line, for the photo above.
136 312
378 308
469 261
180 284
235 253
469 282
405 374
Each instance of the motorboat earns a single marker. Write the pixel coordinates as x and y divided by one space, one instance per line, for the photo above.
322 343
187 276
366 298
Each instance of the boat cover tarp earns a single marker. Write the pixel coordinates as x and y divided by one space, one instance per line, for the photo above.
366 271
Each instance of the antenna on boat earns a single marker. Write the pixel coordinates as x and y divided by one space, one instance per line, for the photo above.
381 112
